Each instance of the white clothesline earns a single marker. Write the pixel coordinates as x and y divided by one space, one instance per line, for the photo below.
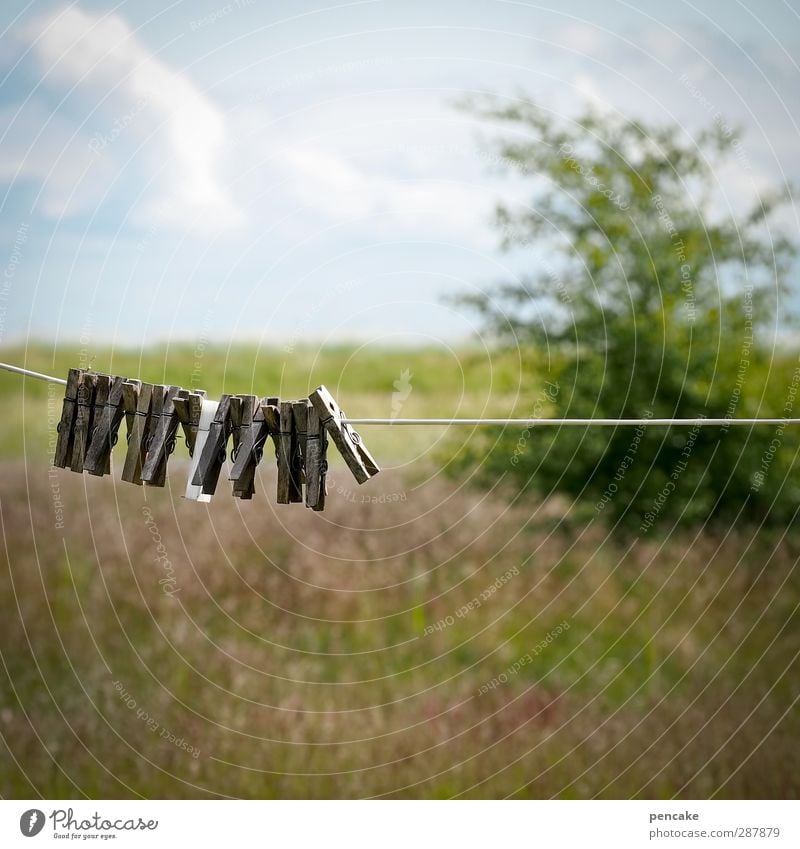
690 422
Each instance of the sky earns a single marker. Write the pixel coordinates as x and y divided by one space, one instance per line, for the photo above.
290 172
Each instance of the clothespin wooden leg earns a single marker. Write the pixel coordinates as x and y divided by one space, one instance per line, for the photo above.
66 427
153 419
295 463
107 419
115 413
243 455
138 398
188 406
162 440
270 407
130 399
289 488
316 462
102 384
300 414
83 420
260 429
235 415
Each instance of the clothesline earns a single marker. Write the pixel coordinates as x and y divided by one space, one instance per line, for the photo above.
530 422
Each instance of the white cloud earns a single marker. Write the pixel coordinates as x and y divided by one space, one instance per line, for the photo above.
403 166
134 99
424 205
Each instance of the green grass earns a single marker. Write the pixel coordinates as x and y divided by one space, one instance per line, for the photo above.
295 654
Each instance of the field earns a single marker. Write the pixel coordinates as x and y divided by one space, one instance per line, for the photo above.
421 638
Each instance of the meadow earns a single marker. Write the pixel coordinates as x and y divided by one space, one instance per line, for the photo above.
420 638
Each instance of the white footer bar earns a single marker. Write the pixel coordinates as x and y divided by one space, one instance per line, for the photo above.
401 824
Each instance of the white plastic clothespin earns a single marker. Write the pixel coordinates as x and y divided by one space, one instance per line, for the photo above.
207 413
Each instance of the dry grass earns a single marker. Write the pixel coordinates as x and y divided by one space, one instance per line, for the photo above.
293 654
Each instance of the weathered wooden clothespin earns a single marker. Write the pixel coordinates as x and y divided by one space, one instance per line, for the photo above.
290 490
207 473
102 385
271 408
108 417
138 398
188 406
153 419
130 399
161 442
66 427
253 433
315 460
248 421
360 462
300 414
235 418
83 419
261 430
236 433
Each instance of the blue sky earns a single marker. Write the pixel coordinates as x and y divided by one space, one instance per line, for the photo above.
297 171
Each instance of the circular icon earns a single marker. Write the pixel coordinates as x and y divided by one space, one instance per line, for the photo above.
31 822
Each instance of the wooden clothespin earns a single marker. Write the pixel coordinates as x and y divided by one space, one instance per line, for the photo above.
360 462
161 442
138 399
130 398
300 415
108 415
102 384
235 419
83 419
207 473
154 417
261 431
290 490
236 413
188 406
247 429
208 409
66 427
253 433
315 460
271 409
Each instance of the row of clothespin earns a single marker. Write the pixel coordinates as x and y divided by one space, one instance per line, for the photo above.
95 405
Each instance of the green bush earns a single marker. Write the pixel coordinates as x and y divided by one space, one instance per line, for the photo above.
648 296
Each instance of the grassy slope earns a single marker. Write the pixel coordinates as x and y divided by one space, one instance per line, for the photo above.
294 654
